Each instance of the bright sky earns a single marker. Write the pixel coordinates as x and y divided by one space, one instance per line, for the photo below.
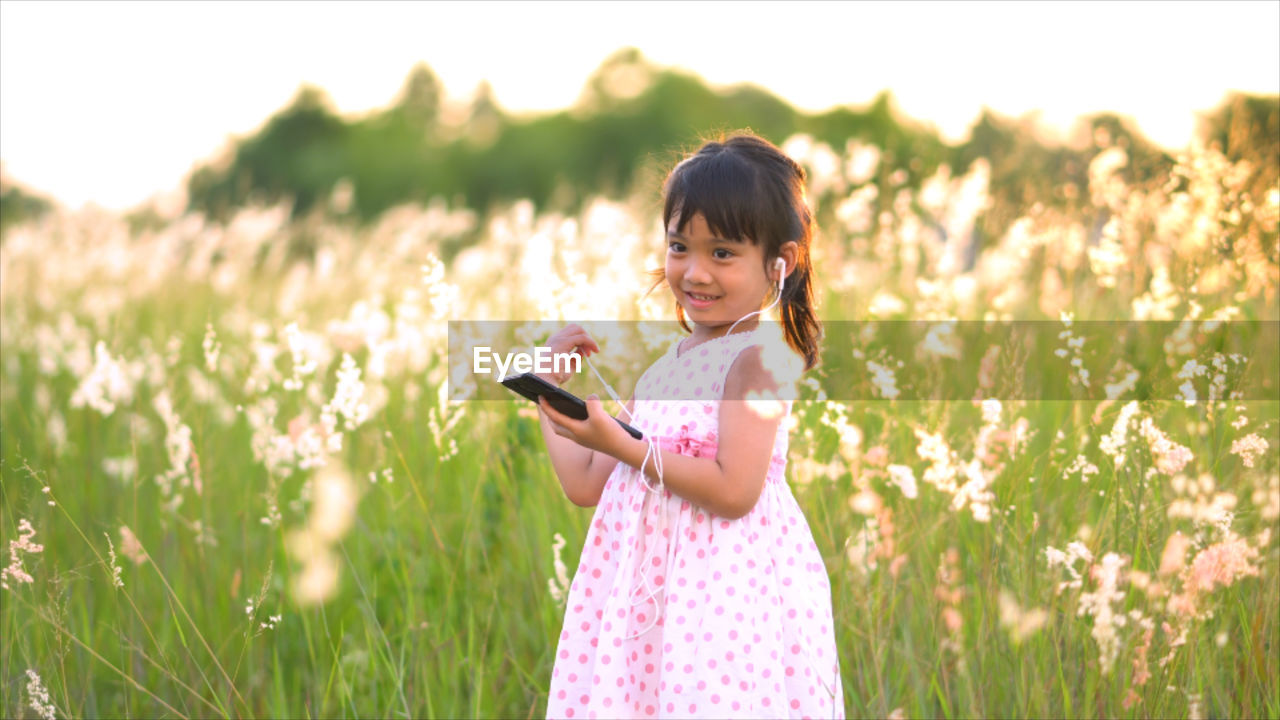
113 102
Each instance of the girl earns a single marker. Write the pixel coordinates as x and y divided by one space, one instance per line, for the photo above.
700 591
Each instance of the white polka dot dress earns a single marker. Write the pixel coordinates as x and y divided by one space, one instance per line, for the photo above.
675 612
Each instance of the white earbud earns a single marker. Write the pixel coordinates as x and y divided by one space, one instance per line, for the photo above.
782 273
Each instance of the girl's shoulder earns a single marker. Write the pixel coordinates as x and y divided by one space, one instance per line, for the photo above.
765 367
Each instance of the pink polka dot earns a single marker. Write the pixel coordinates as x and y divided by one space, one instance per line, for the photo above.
568 712
715 699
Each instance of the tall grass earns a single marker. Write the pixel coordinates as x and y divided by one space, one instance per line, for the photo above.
439 517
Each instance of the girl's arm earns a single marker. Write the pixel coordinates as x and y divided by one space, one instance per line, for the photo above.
729 485
582 471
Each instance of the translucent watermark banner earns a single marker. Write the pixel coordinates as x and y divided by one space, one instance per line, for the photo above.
1182 361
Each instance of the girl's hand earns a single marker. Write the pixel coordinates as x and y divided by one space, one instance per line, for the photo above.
570 339
599 432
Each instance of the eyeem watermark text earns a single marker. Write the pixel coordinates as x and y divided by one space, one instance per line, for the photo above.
541 360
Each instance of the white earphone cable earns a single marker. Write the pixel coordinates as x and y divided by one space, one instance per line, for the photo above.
782 280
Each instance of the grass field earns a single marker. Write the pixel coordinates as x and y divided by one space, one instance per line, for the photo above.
209 511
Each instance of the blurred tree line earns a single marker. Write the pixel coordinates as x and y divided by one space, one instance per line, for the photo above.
631 122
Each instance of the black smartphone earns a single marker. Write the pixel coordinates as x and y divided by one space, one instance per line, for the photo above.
533 387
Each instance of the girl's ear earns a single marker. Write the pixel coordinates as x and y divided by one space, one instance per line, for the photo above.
790 254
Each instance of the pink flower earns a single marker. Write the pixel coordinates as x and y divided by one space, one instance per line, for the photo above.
1221 564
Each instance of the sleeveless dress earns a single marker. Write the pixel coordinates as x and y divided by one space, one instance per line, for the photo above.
675 612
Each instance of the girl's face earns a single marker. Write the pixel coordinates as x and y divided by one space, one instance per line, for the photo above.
715 280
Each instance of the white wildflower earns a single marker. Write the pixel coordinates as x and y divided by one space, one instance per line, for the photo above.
1114 443
211 348
942 470
184 467
1249 448
1099 605
1018 622
1083 466
883 379
905 480
302 364
1075 551
1170 456
941 340
1127 383
39 696
347 398
106 385
22 545
116 570
558 585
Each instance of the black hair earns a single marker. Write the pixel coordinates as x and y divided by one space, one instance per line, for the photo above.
747 189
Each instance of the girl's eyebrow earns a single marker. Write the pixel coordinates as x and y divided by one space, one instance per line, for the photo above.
678 236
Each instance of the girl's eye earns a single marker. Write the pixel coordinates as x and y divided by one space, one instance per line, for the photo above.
675 246
726 254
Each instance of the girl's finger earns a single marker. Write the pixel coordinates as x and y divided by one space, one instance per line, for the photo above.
557 419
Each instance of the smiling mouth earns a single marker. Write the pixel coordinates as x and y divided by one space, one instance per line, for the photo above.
702 298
